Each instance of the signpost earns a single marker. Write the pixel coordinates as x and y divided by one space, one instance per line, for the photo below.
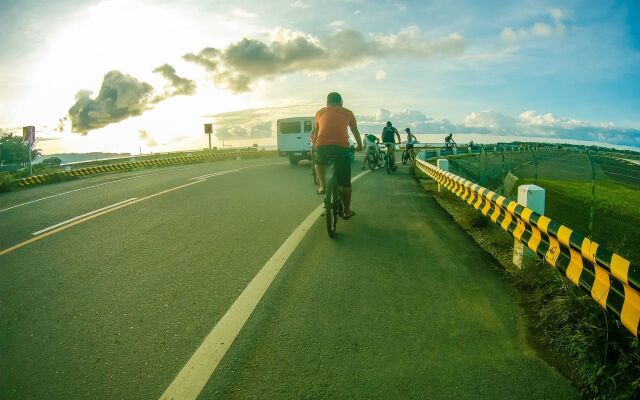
29 136
208 130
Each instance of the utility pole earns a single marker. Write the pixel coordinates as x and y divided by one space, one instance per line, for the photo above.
29 134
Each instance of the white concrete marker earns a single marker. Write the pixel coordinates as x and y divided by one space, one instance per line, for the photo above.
533 197
82 216
196 373
443 164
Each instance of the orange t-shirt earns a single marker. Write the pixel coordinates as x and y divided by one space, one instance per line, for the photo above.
332 124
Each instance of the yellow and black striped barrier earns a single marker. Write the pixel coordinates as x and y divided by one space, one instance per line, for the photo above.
39 179
610 279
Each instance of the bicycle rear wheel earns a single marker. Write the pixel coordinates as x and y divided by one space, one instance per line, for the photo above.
405 157
372 162
331 202
389 162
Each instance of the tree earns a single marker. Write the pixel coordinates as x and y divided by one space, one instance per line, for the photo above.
14 151
52 162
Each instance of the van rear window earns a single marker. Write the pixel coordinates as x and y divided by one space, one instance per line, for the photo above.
307 126
290 127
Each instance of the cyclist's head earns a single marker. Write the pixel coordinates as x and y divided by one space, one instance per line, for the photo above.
388 123
334 99
408 130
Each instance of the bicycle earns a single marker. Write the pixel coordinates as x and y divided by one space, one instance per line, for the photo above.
391 165
333 203
408 154
376 160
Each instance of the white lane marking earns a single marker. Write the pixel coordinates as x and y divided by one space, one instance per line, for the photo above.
77 190
90 217
196 373
217 173
82 216
234 170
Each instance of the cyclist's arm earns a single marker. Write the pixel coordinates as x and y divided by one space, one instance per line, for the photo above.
398 135
356 133
314 132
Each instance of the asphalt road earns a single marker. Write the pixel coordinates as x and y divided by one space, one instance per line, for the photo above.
402 304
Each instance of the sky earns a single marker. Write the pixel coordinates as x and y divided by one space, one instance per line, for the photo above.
145 75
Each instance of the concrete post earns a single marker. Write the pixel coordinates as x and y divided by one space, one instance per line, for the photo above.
533 197
437 152
455 151
443 164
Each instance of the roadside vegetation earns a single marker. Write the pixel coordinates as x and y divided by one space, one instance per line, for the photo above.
603 203
564 324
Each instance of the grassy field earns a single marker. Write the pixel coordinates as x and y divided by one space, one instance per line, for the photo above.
568 181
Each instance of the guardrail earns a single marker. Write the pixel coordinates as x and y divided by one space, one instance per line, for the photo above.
38 179
611 280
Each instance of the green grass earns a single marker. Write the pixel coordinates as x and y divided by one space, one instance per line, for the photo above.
616 221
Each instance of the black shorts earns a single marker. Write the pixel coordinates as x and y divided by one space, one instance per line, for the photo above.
341 161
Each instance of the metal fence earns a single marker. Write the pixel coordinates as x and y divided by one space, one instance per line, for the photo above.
594 193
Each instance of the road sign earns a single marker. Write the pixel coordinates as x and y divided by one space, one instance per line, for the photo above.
208 128
29 134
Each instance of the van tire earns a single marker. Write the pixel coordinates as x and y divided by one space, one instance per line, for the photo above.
294 160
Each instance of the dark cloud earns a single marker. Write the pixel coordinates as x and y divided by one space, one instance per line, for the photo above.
121 96
249 60
178 85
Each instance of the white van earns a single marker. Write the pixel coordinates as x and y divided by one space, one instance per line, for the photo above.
294 138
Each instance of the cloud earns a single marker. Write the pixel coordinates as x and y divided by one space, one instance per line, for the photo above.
249 60
300 4
248 131
179 86
532 123
121 96
240 13
381 75
400 7
539 29
146 138
529 123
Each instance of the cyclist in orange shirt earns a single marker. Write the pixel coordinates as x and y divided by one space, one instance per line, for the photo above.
330 137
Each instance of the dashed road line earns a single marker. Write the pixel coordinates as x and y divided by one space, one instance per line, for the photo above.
77 190
82 216
90 217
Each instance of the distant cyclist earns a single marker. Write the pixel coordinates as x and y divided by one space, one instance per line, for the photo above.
448 141
411 138
388 139
370 147
330 137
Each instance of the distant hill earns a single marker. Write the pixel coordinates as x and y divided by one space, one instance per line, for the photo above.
76 157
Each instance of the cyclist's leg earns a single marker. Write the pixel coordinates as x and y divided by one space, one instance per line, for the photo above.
366 157
321 161
343 175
